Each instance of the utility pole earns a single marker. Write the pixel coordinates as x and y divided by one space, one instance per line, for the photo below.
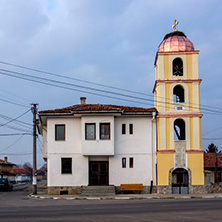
34 176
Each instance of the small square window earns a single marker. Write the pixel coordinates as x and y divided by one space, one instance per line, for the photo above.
66 165
90 131
130 128
124 162
60 132
104 131
131 162
123 129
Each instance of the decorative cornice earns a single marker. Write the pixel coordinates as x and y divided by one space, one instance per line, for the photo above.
173 53
166 151
175 81
178 80
179 115
194 151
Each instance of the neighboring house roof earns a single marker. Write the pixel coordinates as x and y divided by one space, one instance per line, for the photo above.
22 171
98 108
41 171
209 160
3 162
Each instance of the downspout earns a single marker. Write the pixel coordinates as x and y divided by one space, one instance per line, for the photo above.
152 149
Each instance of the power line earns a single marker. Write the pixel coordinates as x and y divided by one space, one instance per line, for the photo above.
211 131
71 78
64 87
219 138
10 118
15 95
14 127
58 84
15 118
16 154
6 148
14 134
92 83
14 103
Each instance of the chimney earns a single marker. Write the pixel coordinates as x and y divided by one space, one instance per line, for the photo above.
82 100
5 159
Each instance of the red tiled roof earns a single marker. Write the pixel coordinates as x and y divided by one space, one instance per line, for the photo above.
209 160
99 107
42 169
26 170
6 163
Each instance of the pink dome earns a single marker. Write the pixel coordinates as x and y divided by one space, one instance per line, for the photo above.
175 42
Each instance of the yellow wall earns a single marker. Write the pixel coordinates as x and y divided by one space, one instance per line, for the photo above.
190 85
189 66
167 100
195 164
166 66
164 164
191 133
168 133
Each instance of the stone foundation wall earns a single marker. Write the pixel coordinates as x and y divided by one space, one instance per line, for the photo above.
198 189
76 190
214 188
164 189
193 189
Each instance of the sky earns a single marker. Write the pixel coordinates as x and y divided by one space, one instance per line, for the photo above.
106 42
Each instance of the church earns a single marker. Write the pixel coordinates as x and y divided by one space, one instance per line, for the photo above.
177 99
158 148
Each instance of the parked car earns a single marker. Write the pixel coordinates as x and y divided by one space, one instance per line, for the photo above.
5 184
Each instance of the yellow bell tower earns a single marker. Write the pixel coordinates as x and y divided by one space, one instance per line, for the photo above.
177 99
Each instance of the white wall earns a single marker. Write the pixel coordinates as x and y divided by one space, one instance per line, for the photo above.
78 177
98 147
138 145
70 148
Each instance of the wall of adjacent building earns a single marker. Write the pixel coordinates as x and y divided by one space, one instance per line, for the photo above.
138 145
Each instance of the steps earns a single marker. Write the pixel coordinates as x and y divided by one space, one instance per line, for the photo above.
98 190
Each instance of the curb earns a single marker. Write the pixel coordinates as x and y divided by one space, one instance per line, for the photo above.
124 197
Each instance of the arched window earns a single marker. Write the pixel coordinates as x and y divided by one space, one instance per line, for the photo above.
178 94
177 67
179 129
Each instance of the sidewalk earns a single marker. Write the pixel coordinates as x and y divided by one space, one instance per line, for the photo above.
127 196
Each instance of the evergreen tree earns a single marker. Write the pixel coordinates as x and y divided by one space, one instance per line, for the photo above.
212 148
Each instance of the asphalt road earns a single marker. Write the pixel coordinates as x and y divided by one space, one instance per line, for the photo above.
17 206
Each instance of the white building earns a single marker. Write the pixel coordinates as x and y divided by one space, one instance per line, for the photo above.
94 144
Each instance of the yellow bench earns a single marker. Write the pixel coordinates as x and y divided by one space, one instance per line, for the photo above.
131 187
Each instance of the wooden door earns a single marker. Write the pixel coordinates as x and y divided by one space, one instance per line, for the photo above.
98 173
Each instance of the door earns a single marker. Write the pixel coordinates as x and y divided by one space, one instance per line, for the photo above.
180 181
98 173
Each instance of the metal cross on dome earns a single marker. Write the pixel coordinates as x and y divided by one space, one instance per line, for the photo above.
174 25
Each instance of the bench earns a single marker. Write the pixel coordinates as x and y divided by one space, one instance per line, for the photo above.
131 187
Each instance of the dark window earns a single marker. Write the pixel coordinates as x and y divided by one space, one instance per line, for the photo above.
179 129
130 128
123 128
104 131
177 67
66 165
131 162
90 131
178 94
60 132
124 162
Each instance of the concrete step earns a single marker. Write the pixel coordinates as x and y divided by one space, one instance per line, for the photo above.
98 190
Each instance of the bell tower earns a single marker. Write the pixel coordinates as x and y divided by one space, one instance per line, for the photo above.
177 99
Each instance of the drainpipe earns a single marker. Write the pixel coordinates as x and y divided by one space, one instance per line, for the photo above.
152 149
